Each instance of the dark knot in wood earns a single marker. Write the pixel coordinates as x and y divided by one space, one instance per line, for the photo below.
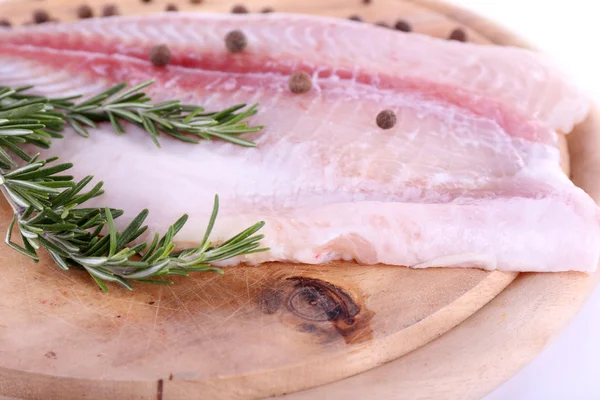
317 300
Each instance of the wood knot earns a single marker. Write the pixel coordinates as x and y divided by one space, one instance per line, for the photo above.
317 308
317 300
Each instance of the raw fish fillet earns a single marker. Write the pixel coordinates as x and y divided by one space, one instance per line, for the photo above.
465 178
329 47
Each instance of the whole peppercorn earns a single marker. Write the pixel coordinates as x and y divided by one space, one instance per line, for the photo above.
236 41
267 10
239 9
300 82
458 34
171 7
5 23
160 55
40 16
386 119
85 11
110 10
356 18
403 26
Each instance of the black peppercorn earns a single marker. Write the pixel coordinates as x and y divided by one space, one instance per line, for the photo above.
160 55
110 10
40 16
300 82
403 26
236 41
239 9
386 119
458 34
85 11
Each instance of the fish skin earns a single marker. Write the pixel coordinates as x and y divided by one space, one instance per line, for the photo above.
452 184
525 80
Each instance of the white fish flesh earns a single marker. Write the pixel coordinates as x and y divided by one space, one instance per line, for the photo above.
469 175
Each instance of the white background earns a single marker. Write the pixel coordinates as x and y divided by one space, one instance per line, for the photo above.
569 368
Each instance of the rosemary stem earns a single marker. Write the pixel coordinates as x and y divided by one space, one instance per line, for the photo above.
17 209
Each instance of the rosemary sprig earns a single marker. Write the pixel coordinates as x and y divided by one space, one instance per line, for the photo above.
47 205
184 122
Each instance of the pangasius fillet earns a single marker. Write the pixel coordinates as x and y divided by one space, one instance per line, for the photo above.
332 48
469 175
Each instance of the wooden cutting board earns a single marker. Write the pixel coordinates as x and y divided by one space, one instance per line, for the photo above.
281 328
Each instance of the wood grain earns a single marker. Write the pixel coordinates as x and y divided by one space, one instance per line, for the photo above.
262 331
292 324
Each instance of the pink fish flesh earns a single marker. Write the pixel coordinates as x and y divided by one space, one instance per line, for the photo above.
469 175
328 48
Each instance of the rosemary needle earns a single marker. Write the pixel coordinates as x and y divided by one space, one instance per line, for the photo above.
48 206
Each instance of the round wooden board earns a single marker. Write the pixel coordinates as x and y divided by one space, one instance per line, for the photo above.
276 329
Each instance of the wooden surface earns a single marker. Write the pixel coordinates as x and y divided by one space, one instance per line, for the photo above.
279 328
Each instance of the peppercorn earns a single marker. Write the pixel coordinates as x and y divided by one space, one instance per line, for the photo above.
40 16
356 18
85 11
6 23
458 34
403 26
236 41
110 10
196 1
300 82
267 10
386 119
160 55
239 9
171 7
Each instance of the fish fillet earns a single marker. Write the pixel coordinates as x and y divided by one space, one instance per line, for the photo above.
465 178
328 47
